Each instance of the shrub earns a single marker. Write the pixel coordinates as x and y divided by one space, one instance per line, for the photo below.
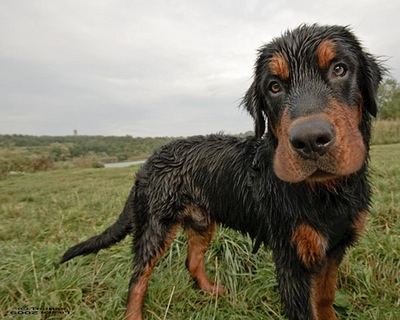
386 132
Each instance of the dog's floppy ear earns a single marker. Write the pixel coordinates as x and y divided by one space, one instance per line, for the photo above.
371 76
255 106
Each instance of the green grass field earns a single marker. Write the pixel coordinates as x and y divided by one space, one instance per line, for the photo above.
44 213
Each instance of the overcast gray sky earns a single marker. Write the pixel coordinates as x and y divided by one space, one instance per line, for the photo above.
154 68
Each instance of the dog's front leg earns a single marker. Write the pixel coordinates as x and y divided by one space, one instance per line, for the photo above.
323 287
302 273
294 282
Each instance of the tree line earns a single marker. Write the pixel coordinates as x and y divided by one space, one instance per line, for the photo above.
65 147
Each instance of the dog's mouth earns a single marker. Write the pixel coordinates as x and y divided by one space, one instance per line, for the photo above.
320 175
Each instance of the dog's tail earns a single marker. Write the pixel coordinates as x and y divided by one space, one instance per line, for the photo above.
113 234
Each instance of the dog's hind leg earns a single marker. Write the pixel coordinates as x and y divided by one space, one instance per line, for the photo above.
198 244
200 231
150 243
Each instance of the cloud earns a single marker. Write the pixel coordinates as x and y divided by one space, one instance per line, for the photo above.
153 68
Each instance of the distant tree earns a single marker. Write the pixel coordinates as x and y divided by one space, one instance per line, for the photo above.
389 99
59 152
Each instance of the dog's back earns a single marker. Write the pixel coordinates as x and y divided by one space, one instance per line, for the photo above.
205 171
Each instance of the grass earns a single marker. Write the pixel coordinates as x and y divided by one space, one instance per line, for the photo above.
44 213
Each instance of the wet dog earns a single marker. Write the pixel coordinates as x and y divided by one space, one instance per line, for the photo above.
300 188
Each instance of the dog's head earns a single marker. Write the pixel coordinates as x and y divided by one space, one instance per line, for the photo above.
316 87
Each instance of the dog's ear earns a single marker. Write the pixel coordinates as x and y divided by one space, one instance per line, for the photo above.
371 75
254 105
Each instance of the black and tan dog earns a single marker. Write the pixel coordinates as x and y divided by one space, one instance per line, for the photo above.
301 188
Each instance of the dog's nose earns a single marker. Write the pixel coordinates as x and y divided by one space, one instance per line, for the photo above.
312 137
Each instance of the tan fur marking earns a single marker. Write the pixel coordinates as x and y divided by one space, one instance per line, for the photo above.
279 66
134 309
323 287
326 53
136 298
198 244
350 150
286 164
311 246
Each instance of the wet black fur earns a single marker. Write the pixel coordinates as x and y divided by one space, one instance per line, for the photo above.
233 179
206 171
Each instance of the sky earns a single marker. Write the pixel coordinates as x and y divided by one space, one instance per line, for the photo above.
155 68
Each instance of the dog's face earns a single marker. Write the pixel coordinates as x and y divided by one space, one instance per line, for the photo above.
316 86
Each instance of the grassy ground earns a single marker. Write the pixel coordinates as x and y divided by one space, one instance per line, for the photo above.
46 212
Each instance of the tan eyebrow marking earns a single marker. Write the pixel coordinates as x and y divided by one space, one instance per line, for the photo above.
326 53
279 66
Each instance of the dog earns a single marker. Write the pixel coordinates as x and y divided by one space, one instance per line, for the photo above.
299 186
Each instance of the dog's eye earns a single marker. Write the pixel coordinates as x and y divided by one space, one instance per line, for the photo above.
274 87
339 70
